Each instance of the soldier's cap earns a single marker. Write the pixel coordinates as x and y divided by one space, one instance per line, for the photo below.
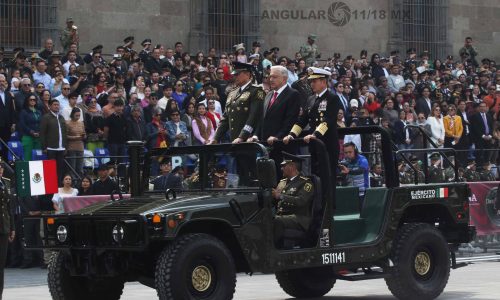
97 48
290 158
315 73
146 41
55 54
273 49
128 39
411 51
256 44
312 37
471 161
69 20
240 67
413 159
435 156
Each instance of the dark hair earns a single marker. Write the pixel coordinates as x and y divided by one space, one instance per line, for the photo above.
53 100
74 111
175 111
27 100
209 88
178 43
119 102
88 178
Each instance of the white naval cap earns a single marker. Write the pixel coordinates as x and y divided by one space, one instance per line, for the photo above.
317 73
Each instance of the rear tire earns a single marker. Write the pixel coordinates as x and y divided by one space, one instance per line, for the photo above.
63 286
306 283
421 258
195 266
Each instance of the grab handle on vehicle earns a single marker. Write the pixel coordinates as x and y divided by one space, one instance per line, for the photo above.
235 206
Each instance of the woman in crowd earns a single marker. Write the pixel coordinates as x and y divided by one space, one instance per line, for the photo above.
188 116
56 84
29 126
171 106
214 116
156 133
201 62
452 127
65 191
203 131
100 82
39 88
389 112
178 94
75 130
435 121
94 126
147 95
46 96
85 188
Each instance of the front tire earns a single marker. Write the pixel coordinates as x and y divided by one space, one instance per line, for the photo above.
195 266
306 283
63 286
421 258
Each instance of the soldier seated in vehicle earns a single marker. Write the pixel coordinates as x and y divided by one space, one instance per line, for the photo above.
293 195
436 172
485 174
449 172
470 173
415 162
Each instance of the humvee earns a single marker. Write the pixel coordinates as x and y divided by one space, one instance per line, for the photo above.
190 243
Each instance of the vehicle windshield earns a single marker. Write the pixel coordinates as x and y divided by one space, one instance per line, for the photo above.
196 168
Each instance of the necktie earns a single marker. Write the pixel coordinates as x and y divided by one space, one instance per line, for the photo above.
275 95
344 102
486 128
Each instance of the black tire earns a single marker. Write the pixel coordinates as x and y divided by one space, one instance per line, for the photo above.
306 283
421 258
63 286
195 266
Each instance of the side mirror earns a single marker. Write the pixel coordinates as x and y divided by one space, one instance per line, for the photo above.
266 173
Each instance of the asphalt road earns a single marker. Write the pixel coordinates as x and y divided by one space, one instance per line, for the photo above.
477 282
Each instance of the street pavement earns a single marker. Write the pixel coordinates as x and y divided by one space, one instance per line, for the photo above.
476 282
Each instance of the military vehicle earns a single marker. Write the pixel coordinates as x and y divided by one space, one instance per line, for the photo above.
190 243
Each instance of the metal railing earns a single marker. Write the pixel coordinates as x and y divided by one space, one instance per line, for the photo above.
25 23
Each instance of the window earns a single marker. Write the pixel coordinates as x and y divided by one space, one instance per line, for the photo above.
224 23
25 23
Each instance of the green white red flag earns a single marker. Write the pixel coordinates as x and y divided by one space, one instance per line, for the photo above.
37 177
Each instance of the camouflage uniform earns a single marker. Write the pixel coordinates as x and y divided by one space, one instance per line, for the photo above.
449 174
471 175
485 175
309 53
436 174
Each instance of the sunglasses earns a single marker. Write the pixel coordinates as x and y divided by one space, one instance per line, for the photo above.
174 115
32 99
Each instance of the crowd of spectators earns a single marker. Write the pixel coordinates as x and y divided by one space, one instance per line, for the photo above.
167 97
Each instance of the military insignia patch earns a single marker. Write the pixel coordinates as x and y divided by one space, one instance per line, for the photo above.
244 96
308 187
322 106
260 94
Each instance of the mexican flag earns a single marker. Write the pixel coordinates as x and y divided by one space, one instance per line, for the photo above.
36 177
442 192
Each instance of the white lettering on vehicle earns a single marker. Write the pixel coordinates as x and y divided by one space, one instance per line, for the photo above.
423 194
333 258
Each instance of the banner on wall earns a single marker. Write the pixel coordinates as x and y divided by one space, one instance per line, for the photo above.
485 207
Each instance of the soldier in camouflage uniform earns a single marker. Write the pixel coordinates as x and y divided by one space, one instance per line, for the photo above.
294 195
436 172
470 173
405 176
449 172
310 51
411 174
69 35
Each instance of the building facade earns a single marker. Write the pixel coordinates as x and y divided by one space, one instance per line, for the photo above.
438 26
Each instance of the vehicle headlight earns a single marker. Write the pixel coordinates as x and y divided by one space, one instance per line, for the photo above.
62 233
118 233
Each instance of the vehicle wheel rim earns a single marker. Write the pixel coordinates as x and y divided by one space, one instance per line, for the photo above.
201 278
422 263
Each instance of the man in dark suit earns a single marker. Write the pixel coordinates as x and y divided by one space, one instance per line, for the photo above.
482 133
424 103
464 142
281 110
7 114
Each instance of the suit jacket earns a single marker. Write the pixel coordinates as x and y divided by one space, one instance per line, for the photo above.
280 117
49 131
7 112
478 129
400 133
465 124
422 107
296 198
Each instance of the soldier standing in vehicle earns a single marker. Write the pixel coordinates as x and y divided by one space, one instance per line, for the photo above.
244 109
449 172
293 194
321 116
310 51
436 172
416 164
470 173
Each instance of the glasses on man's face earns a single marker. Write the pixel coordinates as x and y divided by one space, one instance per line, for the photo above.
97 56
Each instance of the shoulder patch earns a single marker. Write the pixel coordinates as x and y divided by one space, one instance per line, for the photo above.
305 178
307 187
284 179
260 94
